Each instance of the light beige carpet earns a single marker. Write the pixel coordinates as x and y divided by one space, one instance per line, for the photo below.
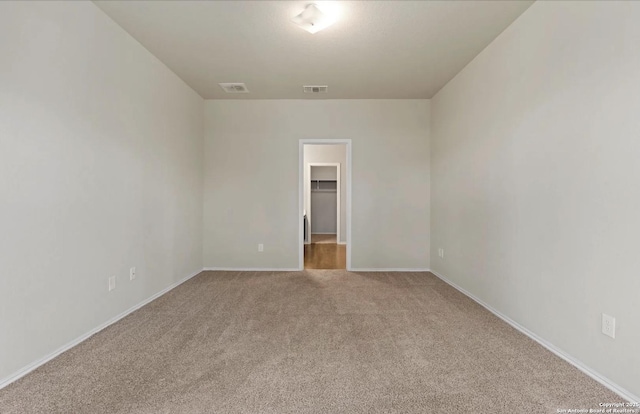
319 341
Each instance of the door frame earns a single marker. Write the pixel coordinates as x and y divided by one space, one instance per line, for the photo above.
338 203
301 144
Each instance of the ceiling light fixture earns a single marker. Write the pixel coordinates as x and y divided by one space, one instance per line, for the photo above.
312 19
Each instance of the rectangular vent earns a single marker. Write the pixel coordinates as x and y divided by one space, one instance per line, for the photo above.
234 87
315 88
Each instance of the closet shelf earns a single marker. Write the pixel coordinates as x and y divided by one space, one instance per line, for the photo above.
327 186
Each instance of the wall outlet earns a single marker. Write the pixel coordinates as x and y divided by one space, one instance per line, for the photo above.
261 247
112 283
608 325
441 253
132 273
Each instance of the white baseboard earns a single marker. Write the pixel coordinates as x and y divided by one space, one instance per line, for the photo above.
292 269
388 269
251 269
24 371
322 233
342 242
562 354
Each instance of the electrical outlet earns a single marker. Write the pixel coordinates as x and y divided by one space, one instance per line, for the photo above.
112 283
441 252
132 273
608 325
261 247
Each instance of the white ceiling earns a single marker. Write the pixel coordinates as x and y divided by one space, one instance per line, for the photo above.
377 49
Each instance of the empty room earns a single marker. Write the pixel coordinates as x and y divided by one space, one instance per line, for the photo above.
319 207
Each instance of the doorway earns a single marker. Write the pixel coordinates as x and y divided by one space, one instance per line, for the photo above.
325 204
322 209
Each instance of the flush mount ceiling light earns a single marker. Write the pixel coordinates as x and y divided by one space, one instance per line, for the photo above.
312 19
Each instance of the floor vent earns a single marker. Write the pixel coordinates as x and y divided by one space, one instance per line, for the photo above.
234 87
315 88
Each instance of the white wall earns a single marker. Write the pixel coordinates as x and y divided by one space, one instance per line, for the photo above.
251 179
535 169
100 153
336 154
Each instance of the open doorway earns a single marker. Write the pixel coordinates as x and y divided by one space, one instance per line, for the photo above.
322 210
325 202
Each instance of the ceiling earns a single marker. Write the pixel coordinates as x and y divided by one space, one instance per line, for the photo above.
376 49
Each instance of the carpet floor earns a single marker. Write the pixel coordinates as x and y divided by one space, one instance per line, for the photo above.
318 341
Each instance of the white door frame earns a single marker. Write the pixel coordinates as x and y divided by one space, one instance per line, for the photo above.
338 204
301 194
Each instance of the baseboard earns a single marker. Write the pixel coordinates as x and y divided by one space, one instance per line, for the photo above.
557 351
388 269
342 242
292 269
24 371
323 233
251 269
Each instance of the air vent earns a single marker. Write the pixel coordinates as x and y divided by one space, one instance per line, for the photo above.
315 88
234 87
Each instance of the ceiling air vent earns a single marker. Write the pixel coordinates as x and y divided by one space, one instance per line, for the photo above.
234 87
315 89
